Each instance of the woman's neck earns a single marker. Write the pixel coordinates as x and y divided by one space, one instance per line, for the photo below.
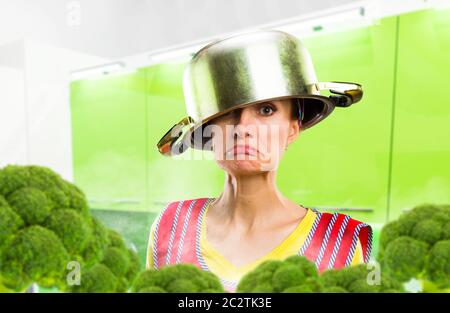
253 203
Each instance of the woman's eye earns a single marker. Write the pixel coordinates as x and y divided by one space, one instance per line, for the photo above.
266 110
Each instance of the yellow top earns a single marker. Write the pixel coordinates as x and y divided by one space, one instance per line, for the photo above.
224 269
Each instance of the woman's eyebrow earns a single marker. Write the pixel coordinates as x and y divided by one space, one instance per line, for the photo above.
267 102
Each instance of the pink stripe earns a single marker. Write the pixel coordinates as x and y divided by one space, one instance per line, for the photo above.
165 226
189 253
178 230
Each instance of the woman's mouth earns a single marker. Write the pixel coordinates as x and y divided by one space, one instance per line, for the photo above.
243 149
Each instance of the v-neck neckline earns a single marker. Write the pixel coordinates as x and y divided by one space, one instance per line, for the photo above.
271 254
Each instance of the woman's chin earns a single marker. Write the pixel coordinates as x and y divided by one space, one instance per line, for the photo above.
246 167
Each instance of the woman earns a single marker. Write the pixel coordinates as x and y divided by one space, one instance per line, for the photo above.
249 97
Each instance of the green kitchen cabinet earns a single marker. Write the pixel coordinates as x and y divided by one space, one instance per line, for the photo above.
109 122
421 133
342 163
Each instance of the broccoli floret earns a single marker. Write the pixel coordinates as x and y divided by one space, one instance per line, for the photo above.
264 287
334 289
116 260
3 201
287 276
12 178
438 265
445 235
389 232
260 276
152 289
310 285
278 276
134 265
405 258
10 222
355 279
122 261
31 204
97 243
35 254
122 285
343 277
72 228
177 278
299 289
389 284
50 183
115 239
182 285
427 230
361 286
308 267
97 278
77 199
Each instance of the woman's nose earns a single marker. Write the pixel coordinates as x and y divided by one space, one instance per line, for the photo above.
244 117
244 122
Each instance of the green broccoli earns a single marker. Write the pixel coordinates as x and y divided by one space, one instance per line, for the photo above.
115 239
177 278
134 266
297 274
97 243
405 258
410 245
98 279
77 199
34 254
10 222
3 201
51 183
31 204
334 289
117 271
355 279
294 274
116 260
438 264
45 223
12 178
72 228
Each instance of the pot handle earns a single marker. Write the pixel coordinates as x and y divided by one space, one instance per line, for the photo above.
173 143
348 93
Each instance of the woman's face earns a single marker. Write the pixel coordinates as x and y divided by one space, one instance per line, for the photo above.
253 139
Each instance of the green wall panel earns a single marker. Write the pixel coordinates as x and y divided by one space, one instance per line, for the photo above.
109 140
421 135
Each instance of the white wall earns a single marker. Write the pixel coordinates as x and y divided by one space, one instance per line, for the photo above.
35 124
118 28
